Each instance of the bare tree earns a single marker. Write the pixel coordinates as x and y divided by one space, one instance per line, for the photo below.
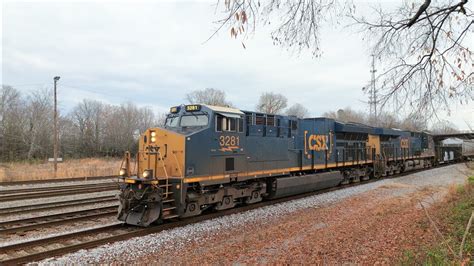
146 119
387 120
426 52
297 110
12 120
123 126
271 103
414 122
38 134
444 127
92 128
347 115
208 96
161 119
87 116
425 49
297 23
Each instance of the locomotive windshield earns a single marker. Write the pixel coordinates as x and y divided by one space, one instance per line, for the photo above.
199 120
172 121
194 120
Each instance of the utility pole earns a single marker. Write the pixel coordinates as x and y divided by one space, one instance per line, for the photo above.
373 93
55 129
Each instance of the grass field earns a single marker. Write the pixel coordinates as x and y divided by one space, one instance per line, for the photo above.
23 171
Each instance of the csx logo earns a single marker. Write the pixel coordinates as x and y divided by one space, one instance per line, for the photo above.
317 142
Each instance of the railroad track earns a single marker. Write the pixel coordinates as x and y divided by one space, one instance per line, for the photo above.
57 180
32 193
55 205
52 188
62 244
22 225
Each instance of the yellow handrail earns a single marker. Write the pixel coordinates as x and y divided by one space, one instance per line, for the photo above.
177 164
166 172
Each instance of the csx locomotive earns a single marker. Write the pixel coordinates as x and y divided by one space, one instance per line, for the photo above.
209 157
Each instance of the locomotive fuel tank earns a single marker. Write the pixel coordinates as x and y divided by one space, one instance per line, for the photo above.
292 185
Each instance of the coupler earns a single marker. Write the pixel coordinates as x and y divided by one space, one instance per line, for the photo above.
140 204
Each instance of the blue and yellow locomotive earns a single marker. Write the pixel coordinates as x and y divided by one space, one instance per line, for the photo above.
209 157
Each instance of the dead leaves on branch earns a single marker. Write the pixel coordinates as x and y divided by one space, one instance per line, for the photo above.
235 31
426 55
296 24
427 61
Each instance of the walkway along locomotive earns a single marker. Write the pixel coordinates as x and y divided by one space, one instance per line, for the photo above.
209 157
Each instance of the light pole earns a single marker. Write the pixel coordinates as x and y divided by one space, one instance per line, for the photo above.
55 129
373 93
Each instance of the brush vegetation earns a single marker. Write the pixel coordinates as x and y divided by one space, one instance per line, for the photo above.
452 219
23 171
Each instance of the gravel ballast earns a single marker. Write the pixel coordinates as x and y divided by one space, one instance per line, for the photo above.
147 248
60 230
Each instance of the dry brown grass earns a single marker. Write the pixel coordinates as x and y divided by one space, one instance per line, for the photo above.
395 185
68 169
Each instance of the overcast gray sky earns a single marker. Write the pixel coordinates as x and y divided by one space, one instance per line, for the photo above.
152 54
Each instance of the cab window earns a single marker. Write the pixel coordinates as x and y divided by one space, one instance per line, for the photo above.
228 124
172 121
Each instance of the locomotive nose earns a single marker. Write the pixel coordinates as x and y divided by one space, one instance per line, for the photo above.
161 154
160 158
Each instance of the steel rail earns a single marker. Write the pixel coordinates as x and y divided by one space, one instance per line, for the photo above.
54 193
8 249
138 231
22 225
53 180
52 188
54 205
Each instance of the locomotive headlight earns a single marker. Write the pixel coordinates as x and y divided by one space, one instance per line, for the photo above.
153 139
123 172
146 174
153 133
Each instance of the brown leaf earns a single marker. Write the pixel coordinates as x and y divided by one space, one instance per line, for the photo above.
244 16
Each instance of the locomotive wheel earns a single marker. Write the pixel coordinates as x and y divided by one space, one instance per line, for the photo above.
226 203
355 180
192 209
254 197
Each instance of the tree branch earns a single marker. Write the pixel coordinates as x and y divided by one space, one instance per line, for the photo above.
422 9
